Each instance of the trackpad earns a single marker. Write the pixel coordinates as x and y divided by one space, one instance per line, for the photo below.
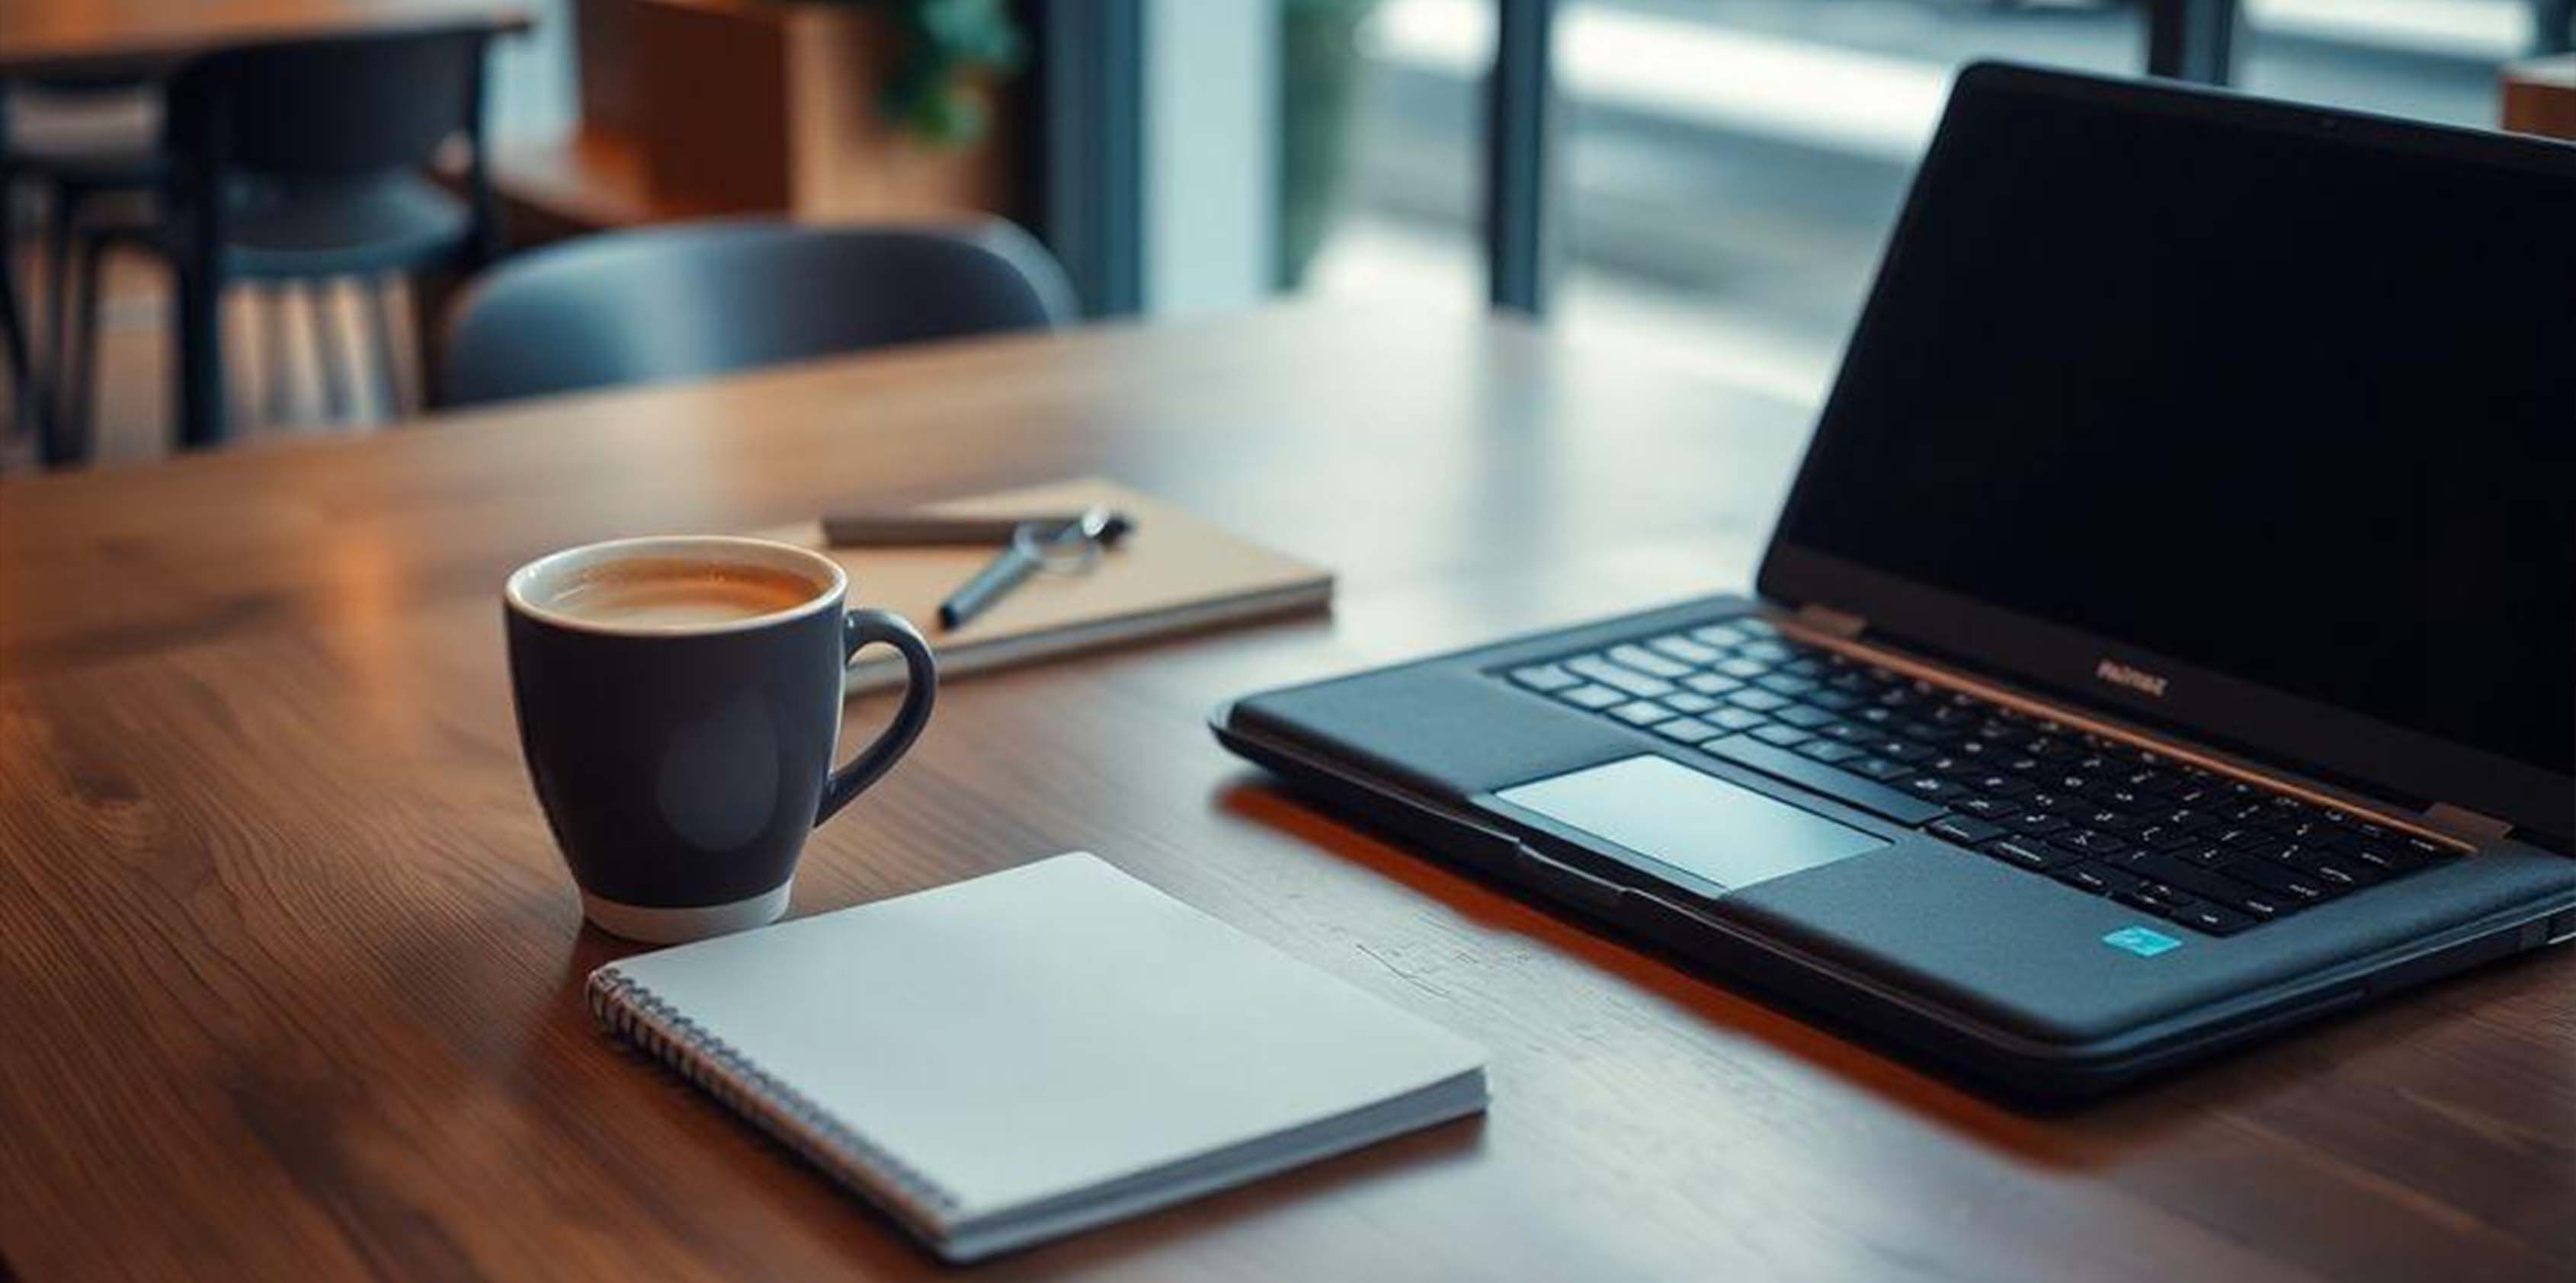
1705 826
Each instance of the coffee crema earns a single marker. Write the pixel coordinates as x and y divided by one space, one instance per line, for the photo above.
679 593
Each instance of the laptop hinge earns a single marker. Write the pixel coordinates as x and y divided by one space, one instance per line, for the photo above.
2467 824
1831 622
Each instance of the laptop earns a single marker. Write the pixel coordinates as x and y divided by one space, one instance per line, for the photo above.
2170 635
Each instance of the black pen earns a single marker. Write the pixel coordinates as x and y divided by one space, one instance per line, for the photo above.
1099 527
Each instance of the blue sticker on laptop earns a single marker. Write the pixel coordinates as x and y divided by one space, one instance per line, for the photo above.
2146 942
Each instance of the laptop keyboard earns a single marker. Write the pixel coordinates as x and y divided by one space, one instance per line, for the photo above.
2214 853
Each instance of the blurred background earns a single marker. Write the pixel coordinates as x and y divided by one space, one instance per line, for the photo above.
1710 180
1727 170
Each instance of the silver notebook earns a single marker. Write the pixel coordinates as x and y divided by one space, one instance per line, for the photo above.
1036 1051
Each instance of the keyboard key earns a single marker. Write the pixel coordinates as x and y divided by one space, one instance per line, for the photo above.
1619 677
2036 856
2297 886
1805 718
1648 662
1784 684
1722 636
1759 701
1878 768
1592 697
2422 849
1686 702
1747 669
1848 733
2100 879
1834 701
2209 919
2092 842
1685 650
2348 875
1757 627
1545 677
1769 652
1711 683
1829 751
1737 719
2034 823
1878 799
1902 751
1641 713
1687 730
1987 808
2146 896
2388 860
1966 830
2146 780
2160 837
1931 787
1810 667
1784 736
1999 785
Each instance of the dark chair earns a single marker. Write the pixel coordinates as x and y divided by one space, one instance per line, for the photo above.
297 160
698 300
87 136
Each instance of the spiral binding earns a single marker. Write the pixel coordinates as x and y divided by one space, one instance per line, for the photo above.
633 1013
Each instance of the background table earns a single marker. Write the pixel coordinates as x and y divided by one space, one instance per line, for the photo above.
289 973
104 38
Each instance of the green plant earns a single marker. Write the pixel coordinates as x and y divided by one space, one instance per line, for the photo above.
946 44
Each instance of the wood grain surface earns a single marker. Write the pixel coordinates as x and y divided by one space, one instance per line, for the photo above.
145 37
288 970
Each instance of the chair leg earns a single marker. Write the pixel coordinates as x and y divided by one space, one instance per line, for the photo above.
378 306
26 394
199 334
59 445
333 355
76 396
274 301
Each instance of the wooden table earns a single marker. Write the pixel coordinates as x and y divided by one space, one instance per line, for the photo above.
105 39
288 970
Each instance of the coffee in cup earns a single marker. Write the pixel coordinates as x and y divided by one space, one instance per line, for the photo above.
677 593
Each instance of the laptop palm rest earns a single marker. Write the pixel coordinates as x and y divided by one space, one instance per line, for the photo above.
1714 830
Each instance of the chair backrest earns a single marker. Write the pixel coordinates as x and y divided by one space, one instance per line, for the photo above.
701 299
330 107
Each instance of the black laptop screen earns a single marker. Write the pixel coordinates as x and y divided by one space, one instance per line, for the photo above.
2288 407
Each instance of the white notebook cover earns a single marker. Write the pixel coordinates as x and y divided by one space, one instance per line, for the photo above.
1032 1051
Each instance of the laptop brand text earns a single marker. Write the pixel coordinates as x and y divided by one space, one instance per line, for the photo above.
2136 679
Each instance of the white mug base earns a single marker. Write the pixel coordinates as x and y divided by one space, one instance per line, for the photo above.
673 926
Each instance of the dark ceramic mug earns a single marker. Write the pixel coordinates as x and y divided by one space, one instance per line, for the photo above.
682 764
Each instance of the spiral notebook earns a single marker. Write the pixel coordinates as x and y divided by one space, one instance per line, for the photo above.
1035 1052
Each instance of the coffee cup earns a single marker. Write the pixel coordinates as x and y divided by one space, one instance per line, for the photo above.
679 703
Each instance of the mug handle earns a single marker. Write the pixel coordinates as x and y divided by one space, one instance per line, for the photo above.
921 683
